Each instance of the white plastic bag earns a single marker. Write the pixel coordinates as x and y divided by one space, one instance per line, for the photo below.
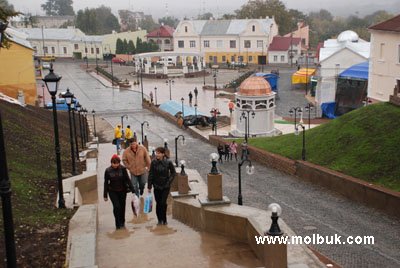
135 204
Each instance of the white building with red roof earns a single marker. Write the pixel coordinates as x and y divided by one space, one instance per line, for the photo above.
282 48
163 37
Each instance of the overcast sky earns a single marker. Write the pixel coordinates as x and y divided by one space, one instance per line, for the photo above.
190 8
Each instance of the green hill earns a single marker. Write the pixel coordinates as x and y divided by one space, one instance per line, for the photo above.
364 143
39 225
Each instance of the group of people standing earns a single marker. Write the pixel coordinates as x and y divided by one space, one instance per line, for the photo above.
227 150
158 173
120 136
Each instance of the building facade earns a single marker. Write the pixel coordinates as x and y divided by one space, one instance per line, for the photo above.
226 41
384 68
18 77
163 37
282 48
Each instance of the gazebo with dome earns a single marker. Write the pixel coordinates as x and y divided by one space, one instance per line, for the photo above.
255 94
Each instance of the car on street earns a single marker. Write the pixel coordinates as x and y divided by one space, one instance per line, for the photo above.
118 60
238 64
46 65
61 104
194 120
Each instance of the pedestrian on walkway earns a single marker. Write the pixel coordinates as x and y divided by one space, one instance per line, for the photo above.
128 136
118 137
162 173
196 92
137 160
220 149
190 98
226 152
233 149
151 97
116 184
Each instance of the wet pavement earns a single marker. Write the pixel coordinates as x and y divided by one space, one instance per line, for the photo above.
307 209
143 243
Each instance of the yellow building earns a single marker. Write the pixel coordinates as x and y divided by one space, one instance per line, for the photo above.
110 40
17 72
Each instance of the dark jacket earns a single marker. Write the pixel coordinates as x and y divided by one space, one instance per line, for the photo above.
117 180
161 174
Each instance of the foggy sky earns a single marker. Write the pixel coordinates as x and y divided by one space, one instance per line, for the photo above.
191 8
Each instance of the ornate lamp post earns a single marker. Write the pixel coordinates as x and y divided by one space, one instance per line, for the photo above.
155 94
141 81
303 150
215 72
122 120
195 110
43 98
246 117
78 109
94 122
169 83
249 170
214 113
5 189
73 108
214 159
85 125
69 98
295 110
176 147
183 110
141 128
52 81
308 109
274 230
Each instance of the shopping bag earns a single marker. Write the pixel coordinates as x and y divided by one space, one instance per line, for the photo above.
135 204
148 204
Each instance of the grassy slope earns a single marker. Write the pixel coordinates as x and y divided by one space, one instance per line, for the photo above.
30 156
364 143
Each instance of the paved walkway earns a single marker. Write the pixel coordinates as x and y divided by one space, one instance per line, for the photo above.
144 244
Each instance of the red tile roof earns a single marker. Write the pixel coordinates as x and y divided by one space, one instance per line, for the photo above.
392 25
163 31
281 43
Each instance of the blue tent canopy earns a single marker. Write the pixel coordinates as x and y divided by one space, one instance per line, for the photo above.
173 107
357 71
271 78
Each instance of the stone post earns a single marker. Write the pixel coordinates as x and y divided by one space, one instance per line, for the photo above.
183 183
275 255
214 184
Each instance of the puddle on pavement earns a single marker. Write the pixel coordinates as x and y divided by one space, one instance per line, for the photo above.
161 230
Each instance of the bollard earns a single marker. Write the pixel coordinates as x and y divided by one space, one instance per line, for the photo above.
214 185
183 184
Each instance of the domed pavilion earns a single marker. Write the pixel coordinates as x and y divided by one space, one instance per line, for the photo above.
255 101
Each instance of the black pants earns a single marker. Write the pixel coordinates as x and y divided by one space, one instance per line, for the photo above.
161 204
118 200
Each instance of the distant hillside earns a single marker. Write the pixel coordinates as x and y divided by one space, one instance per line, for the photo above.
30 155
364 143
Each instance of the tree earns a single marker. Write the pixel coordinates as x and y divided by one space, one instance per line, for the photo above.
170 21
6 6
148 23
131 47
58 7
228 16
128 23
97 21
6 12
119 47
205 16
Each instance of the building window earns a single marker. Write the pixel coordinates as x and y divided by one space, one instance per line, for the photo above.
282 58
97 50
86 50
220 43
260 43
53 50
35 49
76 46
206 43
247 43
381 49
167 41
65 50
46 50
250 58
261 104
232 58
192 43
275 58
186 29
91 50
210 58
223 59
232 43
181 44
253 28
240 58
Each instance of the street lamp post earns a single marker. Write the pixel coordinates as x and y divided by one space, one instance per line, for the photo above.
215 72
246 117
87 60
215 112
97 65
85 124
141 128
68 96
170 83
176 147
52 81
307 72
303 150
155 94
204 76
44 100
195 110
183 110
73 108
295 110
141 81
122 120
308 109
78 109
249 170
94 122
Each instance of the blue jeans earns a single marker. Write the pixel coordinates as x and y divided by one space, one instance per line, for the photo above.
138 183
118 144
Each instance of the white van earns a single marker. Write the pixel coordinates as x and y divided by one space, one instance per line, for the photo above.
170 61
